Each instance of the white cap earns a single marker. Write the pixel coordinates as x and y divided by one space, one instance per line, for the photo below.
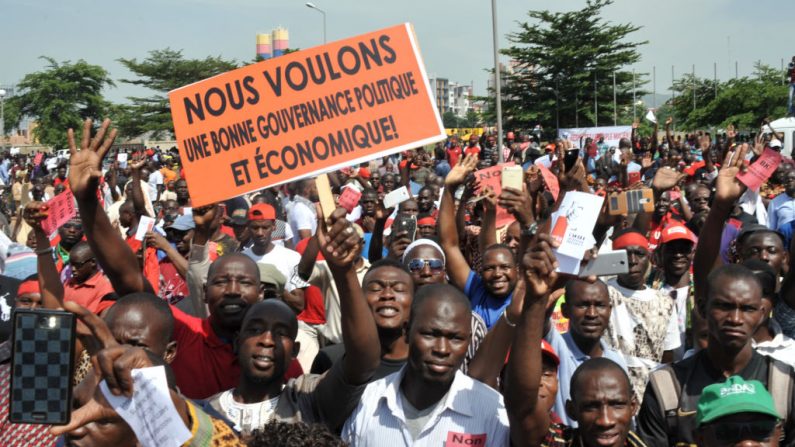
775 142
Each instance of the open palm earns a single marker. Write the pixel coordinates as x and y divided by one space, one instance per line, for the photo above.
85 165
727 188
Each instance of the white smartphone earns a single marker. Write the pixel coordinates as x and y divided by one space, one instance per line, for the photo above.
606 264
396 197
512 177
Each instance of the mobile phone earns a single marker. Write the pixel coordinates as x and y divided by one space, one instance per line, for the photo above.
608 263
570 158
42 364
512 177
405 223
629 202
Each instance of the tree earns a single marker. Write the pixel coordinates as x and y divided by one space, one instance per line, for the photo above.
450 120
472 119
162 71
61 96
743 102
556 61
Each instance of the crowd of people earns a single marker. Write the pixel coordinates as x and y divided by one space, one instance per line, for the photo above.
281 323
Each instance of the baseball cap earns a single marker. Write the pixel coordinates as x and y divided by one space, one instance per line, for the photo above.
183 223
547 350
261 211
775 142
239 216
677 231
750 228
269 274
733 396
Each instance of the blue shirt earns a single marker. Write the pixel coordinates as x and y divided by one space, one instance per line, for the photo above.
485 304
780 210
570 358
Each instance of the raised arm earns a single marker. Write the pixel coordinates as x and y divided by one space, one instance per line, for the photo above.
668 138
529 422
488 229
457 265
49 282
206 220
112 253
727 191
341 246
139 203
157 240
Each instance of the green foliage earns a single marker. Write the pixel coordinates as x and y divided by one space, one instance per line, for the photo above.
61 96
162 71
557 58
743 102
450 120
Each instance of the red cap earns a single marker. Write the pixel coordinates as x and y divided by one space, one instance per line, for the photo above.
546 349
261 211
364 173
429 220
677 231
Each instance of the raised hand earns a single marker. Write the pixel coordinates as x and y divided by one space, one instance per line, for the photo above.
340 244
34 213
538 265
666 178
137 164
489 198
727 188
207 220
518 203
85 165
156 240
459 173
635 124
533 179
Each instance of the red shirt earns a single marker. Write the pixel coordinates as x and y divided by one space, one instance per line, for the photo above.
472 150
205 364
453 155
314 308
151 265
89 294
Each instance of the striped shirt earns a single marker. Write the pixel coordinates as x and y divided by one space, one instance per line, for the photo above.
471 414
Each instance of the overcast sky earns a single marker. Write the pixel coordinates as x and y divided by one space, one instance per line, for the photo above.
455 36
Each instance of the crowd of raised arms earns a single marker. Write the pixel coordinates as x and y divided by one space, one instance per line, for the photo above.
425 324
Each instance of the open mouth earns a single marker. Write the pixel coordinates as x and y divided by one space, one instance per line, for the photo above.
232 308
262 361
387 311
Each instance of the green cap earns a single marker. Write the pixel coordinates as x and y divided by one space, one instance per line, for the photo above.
269 274
733 396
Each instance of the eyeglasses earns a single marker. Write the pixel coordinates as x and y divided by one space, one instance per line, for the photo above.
731 433
416 265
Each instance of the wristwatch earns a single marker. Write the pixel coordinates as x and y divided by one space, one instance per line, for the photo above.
530 230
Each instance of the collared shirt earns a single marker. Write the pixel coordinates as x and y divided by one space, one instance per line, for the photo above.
570 358
562 436
471 414
780 211
89 293
780 347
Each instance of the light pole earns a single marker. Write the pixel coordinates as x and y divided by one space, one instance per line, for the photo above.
497 78
2 120
311 5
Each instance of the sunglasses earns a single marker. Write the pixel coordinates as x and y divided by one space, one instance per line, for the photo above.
416 265
78 265
729 434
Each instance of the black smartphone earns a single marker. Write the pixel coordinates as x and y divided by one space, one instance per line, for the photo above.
570 158
42 365
405 223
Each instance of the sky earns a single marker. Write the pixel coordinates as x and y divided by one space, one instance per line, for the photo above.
455 36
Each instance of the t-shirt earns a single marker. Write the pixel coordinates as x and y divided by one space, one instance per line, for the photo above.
330 355
453 155
485 304
643 324
285 261
155 178
470 150
301 217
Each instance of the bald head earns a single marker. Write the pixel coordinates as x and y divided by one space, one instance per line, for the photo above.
435 295
597 366
221 262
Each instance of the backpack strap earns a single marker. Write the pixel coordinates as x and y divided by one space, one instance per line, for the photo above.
668 390
779 384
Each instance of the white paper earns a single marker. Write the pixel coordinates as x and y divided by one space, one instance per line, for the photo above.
122 158
650 116
150 412
145 224
568 264
51 163
396 197
545 161
581 211
14 151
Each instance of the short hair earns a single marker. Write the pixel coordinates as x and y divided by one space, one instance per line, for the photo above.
764 273
730 271
569 287
160 307
425 188
740 240
217 262
81 246
505 247
438 292
387 262
599 365
294 434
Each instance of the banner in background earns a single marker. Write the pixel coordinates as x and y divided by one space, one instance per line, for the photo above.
611 134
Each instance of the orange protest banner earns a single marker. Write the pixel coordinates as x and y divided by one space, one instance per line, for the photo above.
304 113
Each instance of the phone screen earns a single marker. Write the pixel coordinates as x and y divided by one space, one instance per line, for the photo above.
571 158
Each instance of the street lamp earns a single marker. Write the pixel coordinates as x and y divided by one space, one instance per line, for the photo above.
311 5
2 120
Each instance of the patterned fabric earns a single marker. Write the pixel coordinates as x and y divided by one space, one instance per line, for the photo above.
562 436
479 331
208 431
82 367
785 316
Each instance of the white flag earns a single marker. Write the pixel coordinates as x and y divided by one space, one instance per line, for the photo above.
650 116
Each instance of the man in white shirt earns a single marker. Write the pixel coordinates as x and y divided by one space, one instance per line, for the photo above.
430 402
155 181
261 223
302 215
781 210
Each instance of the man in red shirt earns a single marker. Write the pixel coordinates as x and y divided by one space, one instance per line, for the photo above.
87 285
453 152
473 147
